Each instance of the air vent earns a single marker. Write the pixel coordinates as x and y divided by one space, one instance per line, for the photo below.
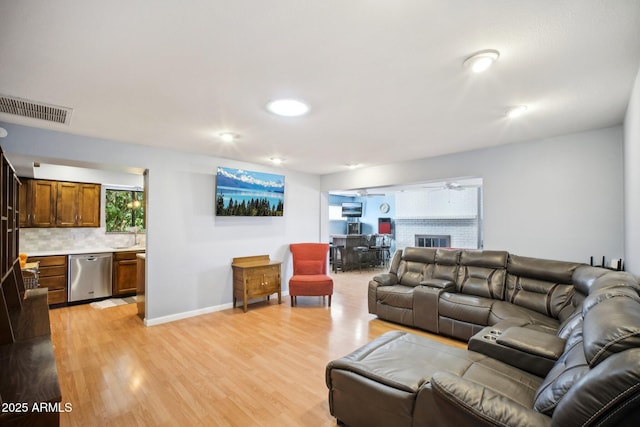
35 110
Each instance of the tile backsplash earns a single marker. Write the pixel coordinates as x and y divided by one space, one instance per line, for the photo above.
53 239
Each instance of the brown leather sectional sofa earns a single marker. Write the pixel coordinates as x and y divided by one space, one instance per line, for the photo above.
550 343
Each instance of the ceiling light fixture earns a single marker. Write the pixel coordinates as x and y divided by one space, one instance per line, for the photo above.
288 107
353 165
276 160
228 136
3 132
482 61
516 111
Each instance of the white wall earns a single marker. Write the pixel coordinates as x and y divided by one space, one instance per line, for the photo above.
558 198
189 249
632 180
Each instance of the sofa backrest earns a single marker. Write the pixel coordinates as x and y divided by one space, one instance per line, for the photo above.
446 267
587 280
541 285
596 381
415 264
482 273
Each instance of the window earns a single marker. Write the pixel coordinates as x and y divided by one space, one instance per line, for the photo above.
124 209
433 241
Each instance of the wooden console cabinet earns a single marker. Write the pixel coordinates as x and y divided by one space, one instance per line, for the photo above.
254 277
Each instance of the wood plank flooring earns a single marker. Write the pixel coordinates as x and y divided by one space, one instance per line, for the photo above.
261 368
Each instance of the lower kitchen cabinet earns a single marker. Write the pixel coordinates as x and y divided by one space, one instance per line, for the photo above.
125 273
53 275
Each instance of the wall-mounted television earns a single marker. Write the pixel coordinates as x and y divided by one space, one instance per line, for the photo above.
245 193
351 209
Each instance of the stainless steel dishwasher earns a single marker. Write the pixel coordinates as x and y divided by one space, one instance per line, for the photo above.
89 276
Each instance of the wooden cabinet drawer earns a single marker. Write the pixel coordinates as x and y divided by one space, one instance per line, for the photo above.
58 296
56 270
118 256
53 275
53 282
46 261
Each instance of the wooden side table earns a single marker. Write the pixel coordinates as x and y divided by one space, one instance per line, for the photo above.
254 277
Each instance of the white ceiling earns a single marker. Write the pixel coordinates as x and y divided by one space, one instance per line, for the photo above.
384 78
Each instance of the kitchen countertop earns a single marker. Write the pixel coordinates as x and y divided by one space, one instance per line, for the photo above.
96 250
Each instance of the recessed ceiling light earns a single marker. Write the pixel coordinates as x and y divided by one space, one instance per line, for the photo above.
288 107
3 132
516 111
228 136
276 160
482 61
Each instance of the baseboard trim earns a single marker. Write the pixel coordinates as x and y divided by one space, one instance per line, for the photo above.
194 313
186 314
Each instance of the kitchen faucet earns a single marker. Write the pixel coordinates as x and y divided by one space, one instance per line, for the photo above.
135 235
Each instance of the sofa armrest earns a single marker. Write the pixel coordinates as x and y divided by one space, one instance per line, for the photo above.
445 285
532 342
527 349
384 279
483 404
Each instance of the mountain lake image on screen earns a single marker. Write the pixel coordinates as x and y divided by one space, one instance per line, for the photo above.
241 192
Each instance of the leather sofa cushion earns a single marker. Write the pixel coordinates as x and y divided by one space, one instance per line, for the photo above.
548 298
584 276
396 296
481 281
487 259
569 368
611 324
447 256
404 361
407 362
466 308
541 269
445 272
502 310
611 327
422 255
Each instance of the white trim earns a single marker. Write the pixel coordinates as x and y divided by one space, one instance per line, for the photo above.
186 314
194 313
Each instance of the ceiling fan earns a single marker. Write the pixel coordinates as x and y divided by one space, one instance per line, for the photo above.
455 186
362 193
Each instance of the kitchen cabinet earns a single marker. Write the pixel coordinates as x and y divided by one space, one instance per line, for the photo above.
255 276
125 273
53 275
37 203
47 203
89 205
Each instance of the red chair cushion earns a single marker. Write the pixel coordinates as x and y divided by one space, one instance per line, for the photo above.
310 285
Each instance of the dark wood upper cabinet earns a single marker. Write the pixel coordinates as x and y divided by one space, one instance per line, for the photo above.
45 203
89 205
67 204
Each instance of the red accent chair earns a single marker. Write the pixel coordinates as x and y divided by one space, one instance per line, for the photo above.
310 271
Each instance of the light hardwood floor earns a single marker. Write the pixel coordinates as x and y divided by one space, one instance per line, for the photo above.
265 367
